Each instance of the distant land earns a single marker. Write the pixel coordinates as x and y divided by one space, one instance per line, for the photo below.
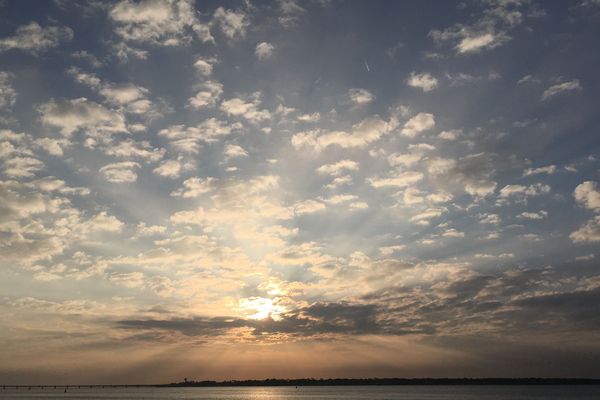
390 381
330 382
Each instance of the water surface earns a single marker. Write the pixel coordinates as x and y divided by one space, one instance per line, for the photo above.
550 392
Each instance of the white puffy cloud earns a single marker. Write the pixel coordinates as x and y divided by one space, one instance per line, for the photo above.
165 23
550 169
451 134
232 23
491 29
81 114
338 168
264 50
120 172
233 151
132 97
135 149
314 117
149 230
169 169
207 96
103 222
424 217
194 187
534 215
588 195
361 134
418 124
123 94
53 146
561 88
35 39
526 191
412 196
424 81
415 154
205 66
453 233
360 96
308 207
399 180
21 167
589 232
247 109
471 39
188 139
475 42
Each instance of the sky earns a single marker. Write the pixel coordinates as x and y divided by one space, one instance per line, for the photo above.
235 190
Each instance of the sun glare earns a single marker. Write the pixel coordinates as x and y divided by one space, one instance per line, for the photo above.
261 308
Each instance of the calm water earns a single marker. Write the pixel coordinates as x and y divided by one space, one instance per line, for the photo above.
321 393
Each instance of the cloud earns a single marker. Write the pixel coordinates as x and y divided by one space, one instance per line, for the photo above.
233 151
120 172
561 88
34 39
588 233
152 230
360 96
52 184
81 114
135 149
451 134
491 27
232 23
133 97
314 117
475 42
210 92
534 215
588 195
194 187
416 154
308 207
247 109
338 168
205 66
424 217
169 169
8 96
290 12
103 222
424 81
550 169
264 50
365 132
400 180
472 174
188 139
418 124
525 191
470 39
163 23
22 167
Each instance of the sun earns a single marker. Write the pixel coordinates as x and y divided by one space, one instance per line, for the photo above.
261 308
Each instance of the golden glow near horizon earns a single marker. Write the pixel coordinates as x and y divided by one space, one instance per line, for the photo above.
248 189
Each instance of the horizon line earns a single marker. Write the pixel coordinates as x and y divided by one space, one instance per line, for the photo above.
327 382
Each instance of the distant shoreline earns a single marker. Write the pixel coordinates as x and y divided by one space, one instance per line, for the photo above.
335 382
388 382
